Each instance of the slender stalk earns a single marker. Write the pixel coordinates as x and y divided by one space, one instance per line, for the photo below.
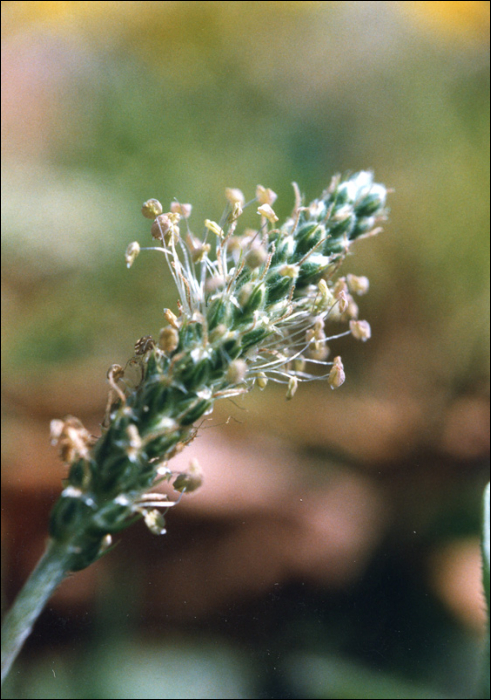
19 621
485 552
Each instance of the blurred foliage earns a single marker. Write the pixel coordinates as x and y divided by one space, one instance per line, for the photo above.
106 104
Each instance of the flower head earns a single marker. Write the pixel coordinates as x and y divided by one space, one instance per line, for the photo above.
252 308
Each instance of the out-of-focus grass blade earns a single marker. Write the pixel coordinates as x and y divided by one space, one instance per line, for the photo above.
485 580
337 677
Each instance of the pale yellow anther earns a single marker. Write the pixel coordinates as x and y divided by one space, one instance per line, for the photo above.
325 298
316 209
268 213
214 228
171 318
235 213
132 252
262 380
236 371
213 284
151 208
168 339
292 388
289 271
316 337
340 286
197 248
341 294
320 351
265 195
200 252
319 330
191 479
336 375
134 436
360 330
342 213
343 300
235 195
135 442
256 257
299 364
352 309
183 209
245 293
165 227
358 285
71 437
174 216
218 332
155 521
55 430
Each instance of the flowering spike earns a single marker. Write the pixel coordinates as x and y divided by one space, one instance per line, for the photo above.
251 308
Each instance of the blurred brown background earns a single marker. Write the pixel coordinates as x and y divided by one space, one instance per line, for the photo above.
333 549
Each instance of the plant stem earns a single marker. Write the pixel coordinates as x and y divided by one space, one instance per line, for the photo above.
49 573
485 551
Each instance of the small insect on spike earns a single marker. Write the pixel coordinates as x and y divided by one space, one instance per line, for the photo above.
143 345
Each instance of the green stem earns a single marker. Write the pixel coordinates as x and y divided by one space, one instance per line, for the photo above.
485 552
19 621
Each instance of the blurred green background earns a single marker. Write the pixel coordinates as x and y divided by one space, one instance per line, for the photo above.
333 551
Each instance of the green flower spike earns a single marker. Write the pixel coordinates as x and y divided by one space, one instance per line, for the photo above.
238 324
252 308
